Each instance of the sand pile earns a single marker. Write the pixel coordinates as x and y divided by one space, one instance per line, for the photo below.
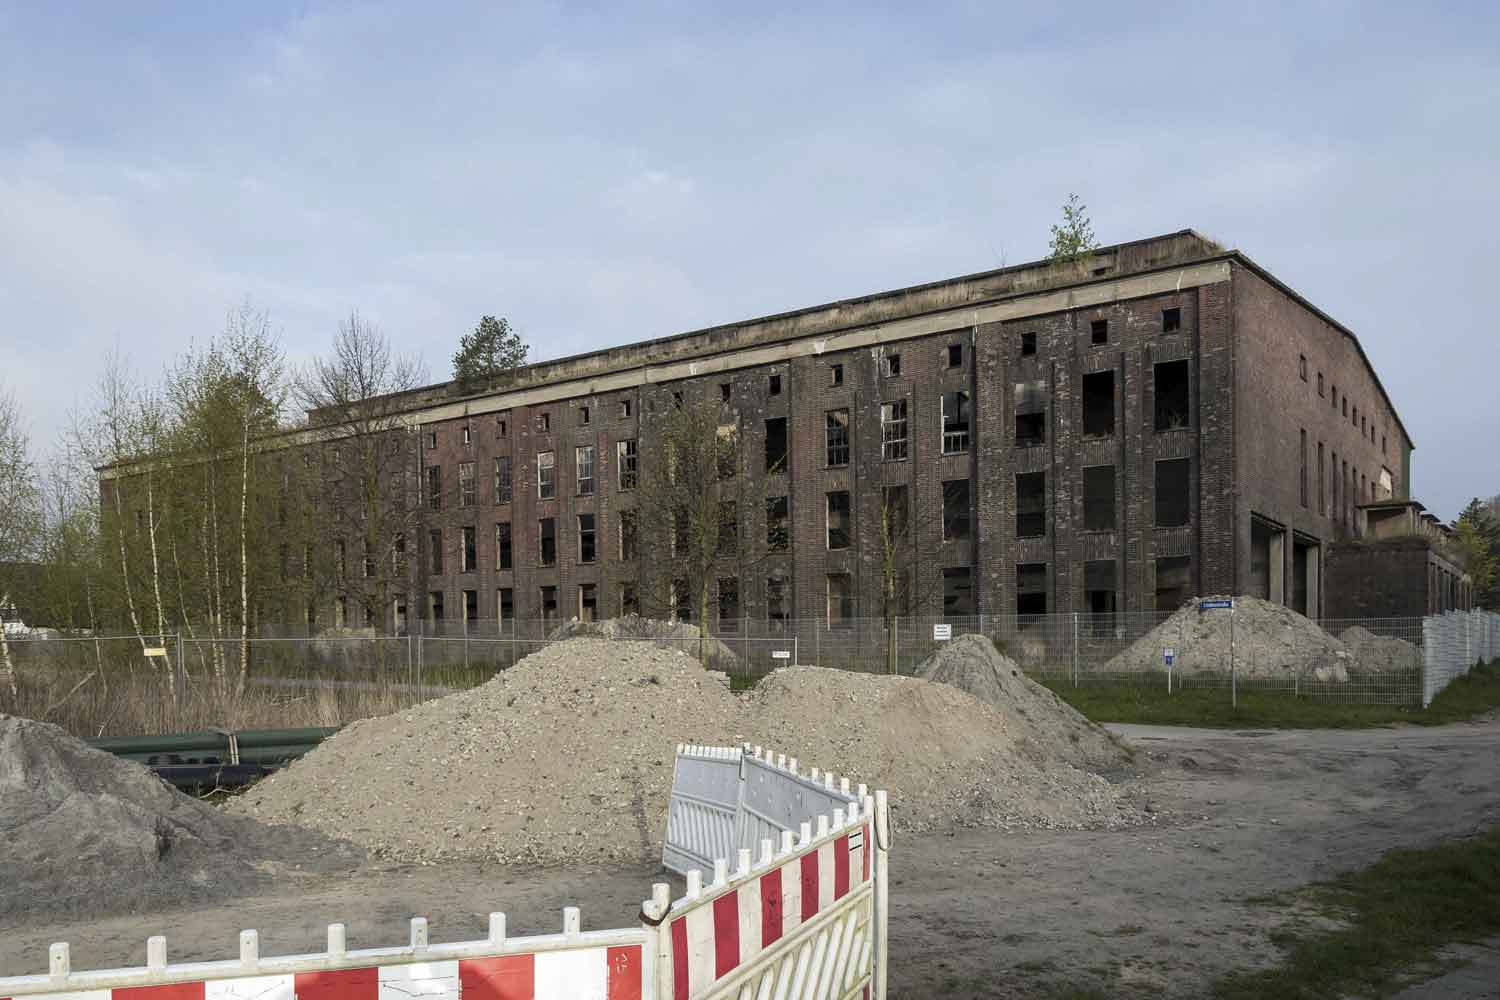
1369 652
85 831
680 636
1270 641
566 758
1054 728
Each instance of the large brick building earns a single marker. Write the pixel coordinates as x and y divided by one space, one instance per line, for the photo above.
1162 419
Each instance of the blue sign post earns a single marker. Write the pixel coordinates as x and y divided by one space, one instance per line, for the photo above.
1221 604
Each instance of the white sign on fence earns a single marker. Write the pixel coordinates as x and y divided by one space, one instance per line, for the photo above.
155 651
941 632
1168 655
781 654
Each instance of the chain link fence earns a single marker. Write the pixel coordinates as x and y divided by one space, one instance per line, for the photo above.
103 685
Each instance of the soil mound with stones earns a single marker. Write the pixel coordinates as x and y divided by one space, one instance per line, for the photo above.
971 663
84 831
566 758
1271 642
1369 652
680 636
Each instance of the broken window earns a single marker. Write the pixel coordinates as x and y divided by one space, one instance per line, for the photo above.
682 601
838 519
836 424
583 415
505 602
339 562
435 487
435 605
891 365
1099 498
776 444
1171 393
955 422
729 527
895 511
836 374
958 592
435 550
544 422
727 451
729 604
625 409
583 464
630 601
1173 582
840 601
1099 596
1031 428
548 535
625 463
1028 345
466 484
1171 320
546 486
629 521
471 605
502 479
893 430
1173 490
724 392
1099 404
1031 588
777 605
773 385
586 548
549 604
502 427
956 524
955 355
1099 331
470 550
431 440
588 602
504 553
1031 504
778 535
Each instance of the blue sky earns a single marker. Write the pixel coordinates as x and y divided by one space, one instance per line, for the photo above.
600 174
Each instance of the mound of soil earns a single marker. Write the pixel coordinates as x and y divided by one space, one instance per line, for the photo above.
680 636
1369 652
566 758
1270 642
972 664
84 831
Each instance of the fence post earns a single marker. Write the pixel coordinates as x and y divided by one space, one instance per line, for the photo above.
896 640
1234 692
795 659
1075 649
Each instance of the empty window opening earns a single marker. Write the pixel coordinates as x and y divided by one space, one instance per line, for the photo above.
586 549
729 527
955 355
895 511
1171 320
1099 332
470 550
468 435
435 550
630 599
588 602
584 415
546 485
778 531
1174 585
840 601
1099 590
956 519
724 392
548 535
502 479
729 604
1320 384
836 374
776 449
1173 490
544 421
549 604
504 550
893 445
629 521
471 605
502 427
1031 504
583 461
466 484
838 519
1344 407
1099 404
677 398
1028 345
727 451
434 605
506 601
837 437
778 601
431 443
624 408
1031 588
958 591
891 364
955 422
435 487
773 385
1302 367
1173 401
682 601
626 469
1099 498
1031 428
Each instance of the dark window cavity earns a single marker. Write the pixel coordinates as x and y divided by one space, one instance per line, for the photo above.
956 524
1171 320
1099 332
1031 504
1099 404
837 439
1099 498
1173 404
776 444
1173 490
838 519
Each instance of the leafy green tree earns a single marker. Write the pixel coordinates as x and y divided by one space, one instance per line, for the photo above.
492 349
1478 538
1074 239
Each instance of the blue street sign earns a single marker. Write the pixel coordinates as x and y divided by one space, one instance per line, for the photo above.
1215 605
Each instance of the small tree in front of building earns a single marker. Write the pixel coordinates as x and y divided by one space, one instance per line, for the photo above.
1477 537
492 349
1074 238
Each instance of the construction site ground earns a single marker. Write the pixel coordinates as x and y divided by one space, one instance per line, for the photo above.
1149 910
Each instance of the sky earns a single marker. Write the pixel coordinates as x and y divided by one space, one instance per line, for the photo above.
601 174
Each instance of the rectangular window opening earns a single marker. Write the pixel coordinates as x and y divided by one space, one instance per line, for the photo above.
729 604
435 550
548 538
504 552
1028 345
1171 320
1031 429
1173 492
891 365
586 548
957 524
1099 498
502 479
1099 332
773 385
1031 504
776 447
838 519
549 604
836 440
583 463
583 415
955 422
1173 402
1031 588
840 601
1174 585
435 487
588 602
778 531
471 550
1302 468
466 484
835 374
629 521
778 601
724 391
625 464
893 444
1099 600
955 355
1099 404
546 484
958 591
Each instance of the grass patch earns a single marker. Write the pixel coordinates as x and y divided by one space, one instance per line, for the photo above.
1473 694
1396 914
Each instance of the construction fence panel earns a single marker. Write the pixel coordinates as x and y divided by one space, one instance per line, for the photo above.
1453 643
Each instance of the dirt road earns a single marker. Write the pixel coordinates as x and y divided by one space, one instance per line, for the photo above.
1158 910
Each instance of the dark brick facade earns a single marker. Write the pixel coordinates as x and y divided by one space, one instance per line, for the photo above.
1393 578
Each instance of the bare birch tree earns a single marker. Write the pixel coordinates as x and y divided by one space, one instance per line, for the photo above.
19 512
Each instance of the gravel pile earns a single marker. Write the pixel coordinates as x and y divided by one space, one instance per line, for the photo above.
83 831
1369 652
1039 717
1270 641
680 636
566 758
